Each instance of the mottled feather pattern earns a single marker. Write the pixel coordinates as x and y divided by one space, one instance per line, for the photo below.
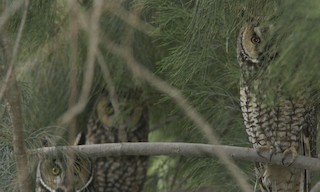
287 124
126 173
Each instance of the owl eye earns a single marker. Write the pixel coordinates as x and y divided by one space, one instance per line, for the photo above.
255 39
55 170
109 110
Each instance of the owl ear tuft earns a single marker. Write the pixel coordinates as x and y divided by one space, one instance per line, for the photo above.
80 139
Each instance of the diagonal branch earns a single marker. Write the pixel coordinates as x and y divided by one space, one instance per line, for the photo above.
141 72
144 74
89 70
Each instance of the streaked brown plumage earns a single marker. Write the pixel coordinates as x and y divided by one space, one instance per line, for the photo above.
119 174
287 126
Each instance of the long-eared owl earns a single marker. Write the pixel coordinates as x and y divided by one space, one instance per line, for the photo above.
125 173
64 174
286 126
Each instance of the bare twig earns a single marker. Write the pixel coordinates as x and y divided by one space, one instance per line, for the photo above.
162 86
12 95
142 73
130 18
127 40
110 84
7 76
5 41
89 71
113 96
182 149
126 53
73 33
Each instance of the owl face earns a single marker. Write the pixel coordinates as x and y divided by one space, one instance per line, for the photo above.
132 111
52 174
251 43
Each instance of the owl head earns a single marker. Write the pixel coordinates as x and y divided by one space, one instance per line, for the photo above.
130 109
254 49
251 43
62 174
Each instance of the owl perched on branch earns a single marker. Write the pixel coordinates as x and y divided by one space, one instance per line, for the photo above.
126 173
288 125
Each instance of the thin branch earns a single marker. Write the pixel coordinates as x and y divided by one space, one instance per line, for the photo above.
89 71
176 95
182 149
130 18
4 18
112 95
73 35
141 72
12 95
110 85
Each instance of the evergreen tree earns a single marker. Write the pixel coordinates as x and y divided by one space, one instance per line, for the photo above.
189 44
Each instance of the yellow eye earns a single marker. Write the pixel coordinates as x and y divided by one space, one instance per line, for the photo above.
255 39
55 170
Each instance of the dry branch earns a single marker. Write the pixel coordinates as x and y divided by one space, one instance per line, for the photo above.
182 149
126 52
141 72
89 70
13 97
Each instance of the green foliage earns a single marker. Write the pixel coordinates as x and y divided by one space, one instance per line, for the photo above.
197 46
193 48
197 42
296 67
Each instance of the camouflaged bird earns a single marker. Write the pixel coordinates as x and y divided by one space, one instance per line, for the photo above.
126 173
287 126
52 175
64 172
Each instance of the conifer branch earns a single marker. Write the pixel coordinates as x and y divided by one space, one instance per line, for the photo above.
208 132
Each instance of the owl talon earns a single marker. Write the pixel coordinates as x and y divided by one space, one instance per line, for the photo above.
263 149
293 151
